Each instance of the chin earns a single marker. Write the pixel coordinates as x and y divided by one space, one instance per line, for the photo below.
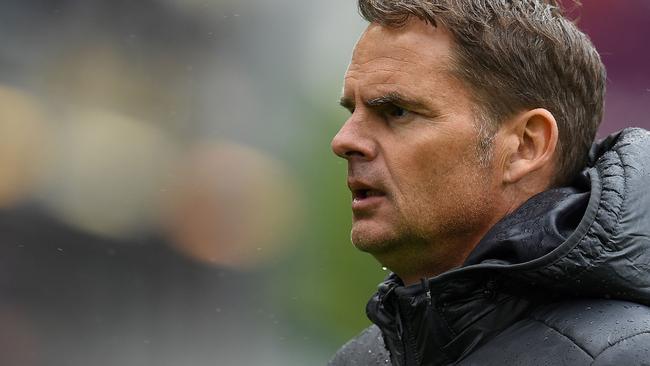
371 239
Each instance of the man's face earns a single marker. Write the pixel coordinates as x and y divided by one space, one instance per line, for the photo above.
411 146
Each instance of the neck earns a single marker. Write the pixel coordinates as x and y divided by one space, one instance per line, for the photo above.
419 259
417 262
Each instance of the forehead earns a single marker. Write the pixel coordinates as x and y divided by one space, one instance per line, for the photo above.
415 56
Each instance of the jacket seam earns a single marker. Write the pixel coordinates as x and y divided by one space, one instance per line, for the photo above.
616 228
582 237
565 336
619 341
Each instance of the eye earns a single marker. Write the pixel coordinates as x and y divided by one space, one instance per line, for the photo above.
396 112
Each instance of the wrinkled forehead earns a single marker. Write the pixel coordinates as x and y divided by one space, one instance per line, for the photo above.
414 35
414 55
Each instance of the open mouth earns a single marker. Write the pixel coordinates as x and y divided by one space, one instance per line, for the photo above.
362 194
365 198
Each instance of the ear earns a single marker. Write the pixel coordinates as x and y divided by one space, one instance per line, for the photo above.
533 136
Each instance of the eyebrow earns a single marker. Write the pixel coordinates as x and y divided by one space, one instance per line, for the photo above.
391 98
347 103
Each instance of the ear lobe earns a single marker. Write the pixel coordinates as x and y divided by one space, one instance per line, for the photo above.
534 136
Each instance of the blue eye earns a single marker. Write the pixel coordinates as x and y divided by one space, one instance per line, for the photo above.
397 112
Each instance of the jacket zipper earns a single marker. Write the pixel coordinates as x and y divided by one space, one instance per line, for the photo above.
406 336
411 350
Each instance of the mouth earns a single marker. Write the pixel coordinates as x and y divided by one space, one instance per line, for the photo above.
362 194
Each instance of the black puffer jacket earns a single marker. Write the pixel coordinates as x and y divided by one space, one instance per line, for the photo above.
564 280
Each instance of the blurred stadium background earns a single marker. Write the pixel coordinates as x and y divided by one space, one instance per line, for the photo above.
167 191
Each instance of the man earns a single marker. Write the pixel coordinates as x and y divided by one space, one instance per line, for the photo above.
472 179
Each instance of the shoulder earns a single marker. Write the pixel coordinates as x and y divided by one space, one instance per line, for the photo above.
609 331
365 349
575 332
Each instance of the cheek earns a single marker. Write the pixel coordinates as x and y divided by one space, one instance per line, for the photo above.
432 166
440 184
428 167
418 179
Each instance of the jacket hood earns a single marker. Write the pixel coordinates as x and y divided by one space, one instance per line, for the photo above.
594 239
588 240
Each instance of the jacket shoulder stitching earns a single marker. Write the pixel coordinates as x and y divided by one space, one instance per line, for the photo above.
564 335
619 341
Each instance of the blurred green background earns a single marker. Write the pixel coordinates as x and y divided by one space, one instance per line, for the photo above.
187 137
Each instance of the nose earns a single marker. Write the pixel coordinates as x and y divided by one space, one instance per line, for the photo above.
353 140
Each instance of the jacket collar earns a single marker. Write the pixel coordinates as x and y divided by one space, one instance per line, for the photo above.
444 318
